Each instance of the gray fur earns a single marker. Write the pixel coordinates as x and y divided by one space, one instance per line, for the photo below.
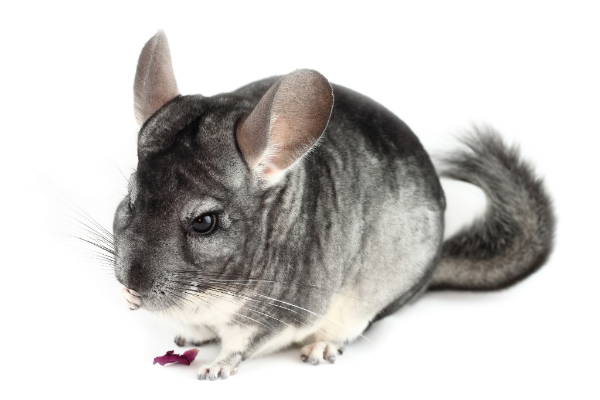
360 215
514 237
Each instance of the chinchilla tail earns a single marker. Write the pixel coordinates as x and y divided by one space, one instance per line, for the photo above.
514 237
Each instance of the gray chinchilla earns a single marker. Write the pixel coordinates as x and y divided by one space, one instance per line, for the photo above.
296 212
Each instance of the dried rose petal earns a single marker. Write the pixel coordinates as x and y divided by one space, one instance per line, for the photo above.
171 357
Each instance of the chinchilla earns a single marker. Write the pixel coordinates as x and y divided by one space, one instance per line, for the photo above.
296 212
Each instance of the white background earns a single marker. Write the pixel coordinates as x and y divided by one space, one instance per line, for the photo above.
531 69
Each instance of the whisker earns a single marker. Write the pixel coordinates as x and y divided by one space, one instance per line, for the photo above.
315 314
96 230
82 214
224 290
232 297
94 236
228 293
98 245
235 313
249 281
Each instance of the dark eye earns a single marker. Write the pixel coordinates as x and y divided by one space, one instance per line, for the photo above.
205 224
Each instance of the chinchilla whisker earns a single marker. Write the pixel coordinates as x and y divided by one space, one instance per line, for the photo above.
248 280
95 239
307 311
109 241
235 299
202 297
174 303
253 320
98 231
243 297
302 320
106 268
103 256
175 298
82 215
98 245
251 297
127 178
247 297
255 310
173 293
245 323
195 289
105 262
257 297
94 235
251 281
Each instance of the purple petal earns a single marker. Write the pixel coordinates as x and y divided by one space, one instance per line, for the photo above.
171 357
190 355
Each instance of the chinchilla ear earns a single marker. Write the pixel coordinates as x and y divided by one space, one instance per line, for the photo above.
285 124
154 79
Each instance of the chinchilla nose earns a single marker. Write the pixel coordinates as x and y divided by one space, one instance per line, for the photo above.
137 278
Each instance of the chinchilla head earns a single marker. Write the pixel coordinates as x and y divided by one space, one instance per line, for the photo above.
195 211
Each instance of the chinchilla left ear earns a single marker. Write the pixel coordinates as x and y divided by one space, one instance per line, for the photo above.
285 124
154 79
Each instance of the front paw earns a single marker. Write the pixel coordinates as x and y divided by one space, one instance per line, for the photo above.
217 370
318 352
222 369
133 298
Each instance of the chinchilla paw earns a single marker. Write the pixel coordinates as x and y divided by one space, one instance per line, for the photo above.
319 352
217 370
133 298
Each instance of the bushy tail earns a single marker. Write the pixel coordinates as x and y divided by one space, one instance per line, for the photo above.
514 237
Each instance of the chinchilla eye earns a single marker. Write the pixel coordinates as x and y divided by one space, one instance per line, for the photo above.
204 224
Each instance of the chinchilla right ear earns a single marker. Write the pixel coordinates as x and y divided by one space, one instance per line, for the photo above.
285 124
154 79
